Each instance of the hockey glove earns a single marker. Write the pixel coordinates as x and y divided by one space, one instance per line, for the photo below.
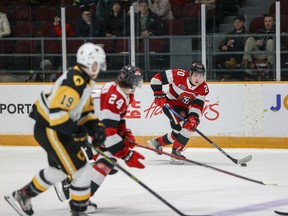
128 138
79 138
191 123
160 98
132 159
98 134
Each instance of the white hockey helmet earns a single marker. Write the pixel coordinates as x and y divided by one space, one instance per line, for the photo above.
93 57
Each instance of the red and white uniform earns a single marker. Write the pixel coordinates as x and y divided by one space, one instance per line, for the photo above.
114 104
181 92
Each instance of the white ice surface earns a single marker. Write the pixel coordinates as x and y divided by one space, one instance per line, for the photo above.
189 188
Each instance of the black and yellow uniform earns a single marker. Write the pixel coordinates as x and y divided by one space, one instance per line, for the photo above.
59 114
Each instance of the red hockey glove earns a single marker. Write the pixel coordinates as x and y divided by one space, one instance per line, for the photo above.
128 138
160 98
191 123
132 159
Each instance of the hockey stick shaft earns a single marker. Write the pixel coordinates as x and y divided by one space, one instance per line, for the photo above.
209 140
204 165
135 179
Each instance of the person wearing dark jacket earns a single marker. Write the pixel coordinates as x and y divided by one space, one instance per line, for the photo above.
147 23
116 21
86 25
233 42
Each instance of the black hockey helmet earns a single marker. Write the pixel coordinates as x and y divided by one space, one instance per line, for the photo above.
130 77
197 67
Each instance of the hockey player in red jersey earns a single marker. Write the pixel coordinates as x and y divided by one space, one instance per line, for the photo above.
64 117
186 95
114 100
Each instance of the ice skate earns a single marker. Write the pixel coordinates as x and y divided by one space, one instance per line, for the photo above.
175 160
74 213
21 202
91 208
153 143
62 189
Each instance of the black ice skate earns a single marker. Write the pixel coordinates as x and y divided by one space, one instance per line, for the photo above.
20 202
177 153
62 189
74 213
91 208
153 143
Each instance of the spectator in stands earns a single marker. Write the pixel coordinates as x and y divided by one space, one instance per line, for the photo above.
57 28
233 43
260 43
136 6
5 29
45 72
87 25
116 21
102 9
147 23
162 8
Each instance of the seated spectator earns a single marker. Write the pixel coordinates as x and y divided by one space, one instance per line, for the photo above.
232 43
136 6
116 21
102 9
147 23
162 8
57 28
5 29
260 43
44 73
86 25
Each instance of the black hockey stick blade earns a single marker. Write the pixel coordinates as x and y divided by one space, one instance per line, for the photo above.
206 166
281 213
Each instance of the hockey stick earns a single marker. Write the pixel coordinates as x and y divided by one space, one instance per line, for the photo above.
138 181
205 165
236 161
281 213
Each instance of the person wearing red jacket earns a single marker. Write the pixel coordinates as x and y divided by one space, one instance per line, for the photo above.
57 28
186 95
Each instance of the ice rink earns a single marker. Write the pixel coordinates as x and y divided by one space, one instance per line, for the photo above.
192 189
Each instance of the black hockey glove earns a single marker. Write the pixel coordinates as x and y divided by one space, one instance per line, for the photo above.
79 138
98 134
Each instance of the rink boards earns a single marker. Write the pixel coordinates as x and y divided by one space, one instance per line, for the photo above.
236 115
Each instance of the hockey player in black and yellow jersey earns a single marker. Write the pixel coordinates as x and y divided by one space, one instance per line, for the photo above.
64 117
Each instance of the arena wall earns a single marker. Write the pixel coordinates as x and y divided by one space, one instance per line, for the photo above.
236 115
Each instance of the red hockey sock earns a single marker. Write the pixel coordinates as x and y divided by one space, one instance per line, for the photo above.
177 145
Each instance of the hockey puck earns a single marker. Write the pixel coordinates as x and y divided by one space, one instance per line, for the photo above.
243 165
